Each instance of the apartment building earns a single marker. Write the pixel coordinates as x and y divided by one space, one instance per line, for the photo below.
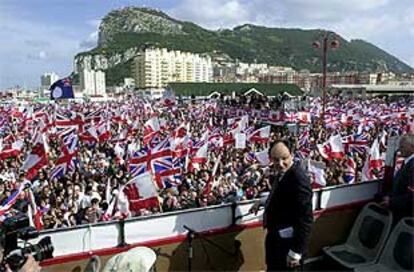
92 83
48 79
156 67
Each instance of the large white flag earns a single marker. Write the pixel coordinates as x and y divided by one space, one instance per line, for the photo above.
37 158
317 175
337 148
141 193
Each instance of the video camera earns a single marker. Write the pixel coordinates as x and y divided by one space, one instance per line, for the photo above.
17 227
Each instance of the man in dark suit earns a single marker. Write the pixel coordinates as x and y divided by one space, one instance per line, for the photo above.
288 217
401 199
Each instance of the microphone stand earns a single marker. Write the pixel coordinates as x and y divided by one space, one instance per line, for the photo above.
190 237
191 234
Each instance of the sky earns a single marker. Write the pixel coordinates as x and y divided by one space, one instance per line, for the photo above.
38 36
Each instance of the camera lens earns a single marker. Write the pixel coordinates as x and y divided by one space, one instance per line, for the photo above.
42 250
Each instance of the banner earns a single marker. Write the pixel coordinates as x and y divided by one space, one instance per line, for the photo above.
240 140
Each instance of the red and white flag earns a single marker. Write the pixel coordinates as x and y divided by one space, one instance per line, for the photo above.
332 149
11 150
37 158
373 166
200 156
151 128
261 135
337 148
376 160
275 116
304 117
103 131
141 193
317 176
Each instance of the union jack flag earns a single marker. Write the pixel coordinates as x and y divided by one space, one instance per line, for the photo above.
290 117
138 162
67 159
249 157
9 202
302 153
214 137
332 122
357 143
304 138
65 126
350 169
153 160
94 116
169 178
76 120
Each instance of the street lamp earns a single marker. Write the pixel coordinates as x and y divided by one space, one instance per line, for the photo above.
329 41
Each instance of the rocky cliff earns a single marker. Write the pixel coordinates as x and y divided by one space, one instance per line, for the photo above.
123 32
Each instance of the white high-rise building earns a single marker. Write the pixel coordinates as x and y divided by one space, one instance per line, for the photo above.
48 79
93 82
100 84
156 67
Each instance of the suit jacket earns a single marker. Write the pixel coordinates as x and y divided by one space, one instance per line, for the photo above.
401 201
290 205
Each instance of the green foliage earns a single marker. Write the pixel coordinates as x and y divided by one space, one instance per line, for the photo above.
115 75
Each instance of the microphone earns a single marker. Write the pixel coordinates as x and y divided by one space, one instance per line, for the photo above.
188 228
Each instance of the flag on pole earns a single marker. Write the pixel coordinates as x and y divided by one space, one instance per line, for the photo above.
317 176
261 135
61 89
37 158
141 193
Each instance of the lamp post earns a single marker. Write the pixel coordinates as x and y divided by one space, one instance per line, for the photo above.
329 41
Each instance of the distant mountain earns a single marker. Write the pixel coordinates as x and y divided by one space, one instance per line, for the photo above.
123 32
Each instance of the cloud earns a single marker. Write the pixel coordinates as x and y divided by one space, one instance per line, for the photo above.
37 43
367 27
41 55
376 21
94 23
92 40
213 13
33 49
328 10
221 13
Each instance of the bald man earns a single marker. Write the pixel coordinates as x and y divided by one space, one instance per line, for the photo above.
288 212
401 198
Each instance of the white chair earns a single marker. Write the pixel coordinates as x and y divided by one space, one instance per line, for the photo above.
398 253
367 238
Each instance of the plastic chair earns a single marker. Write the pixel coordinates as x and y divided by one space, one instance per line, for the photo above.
367 238
398 254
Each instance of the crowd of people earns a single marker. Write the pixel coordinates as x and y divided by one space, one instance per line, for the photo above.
67 164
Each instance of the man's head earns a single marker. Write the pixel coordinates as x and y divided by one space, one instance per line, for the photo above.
406 146
281 157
